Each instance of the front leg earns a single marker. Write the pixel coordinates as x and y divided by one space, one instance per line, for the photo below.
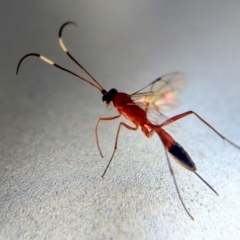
96 129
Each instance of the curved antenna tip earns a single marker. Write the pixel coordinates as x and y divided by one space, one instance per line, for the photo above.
65 24
70 22
25 56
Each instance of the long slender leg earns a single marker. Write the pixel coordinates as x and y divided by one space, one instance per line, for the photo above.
182 115
116 142
176 186
96 129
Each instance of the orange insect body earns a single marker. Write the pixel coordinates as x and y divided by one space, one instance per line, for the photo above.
166 139
127 108
142 108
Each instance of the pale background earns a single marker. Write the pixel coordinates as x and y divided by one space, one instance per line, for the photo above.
50 169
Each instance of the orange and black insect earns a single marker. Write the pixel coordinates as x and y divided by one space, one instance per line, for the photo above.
142 109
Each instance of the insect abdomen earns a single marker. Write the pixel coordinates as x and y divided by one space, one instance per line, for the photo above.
182 157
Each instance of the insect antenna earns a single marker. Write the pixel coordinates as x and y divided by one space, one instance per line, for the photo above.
207 184
70 56
56 65
176 186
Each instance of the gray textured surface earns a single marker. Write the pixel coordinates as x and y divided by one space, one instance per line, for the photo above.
50 184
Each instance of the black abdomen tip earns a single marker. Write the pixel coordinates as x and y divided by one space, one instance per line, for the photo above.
182 157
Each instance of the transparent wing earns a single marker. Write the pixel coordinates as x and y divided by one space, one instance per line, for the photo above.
161 94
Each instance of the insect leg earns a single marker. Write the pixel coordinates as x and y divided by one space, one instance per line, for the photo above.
116 141
96 129
176 186
182 115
